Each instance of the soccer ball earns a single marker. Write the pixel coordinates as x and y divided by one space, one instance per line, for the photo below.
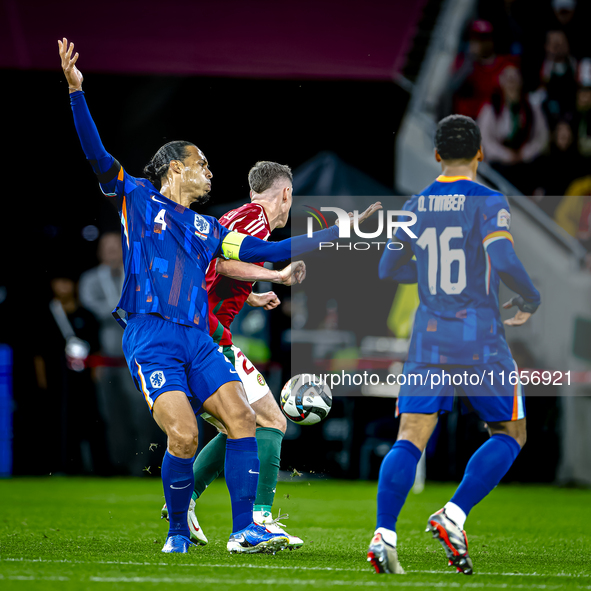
306 399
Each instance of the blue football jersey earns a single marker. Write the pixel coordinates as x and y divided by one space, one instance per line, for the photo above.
166 251
458 319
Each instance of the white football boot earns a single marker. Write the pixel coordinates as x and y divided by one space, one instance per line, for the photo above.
197 535
265 518
383 556
453 539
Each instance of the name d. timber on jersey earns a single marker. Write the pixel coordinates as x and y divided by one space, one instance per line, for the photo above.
441 203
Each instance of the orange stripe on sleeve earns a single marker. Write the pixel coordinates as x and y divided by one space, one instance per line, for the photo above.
498 234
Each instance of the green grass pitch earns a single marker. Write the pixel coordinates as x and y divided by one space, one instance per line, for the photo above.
99 534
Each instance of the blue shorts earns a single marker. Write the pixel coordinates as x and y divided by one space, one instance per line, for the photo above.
163 356
490 398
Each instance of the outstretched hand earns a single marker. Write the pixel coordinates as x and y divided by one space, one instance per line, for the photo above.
519 318
366 214
71 72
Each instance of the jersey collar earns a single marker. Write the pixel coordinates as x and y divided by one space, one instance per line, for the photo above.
451 179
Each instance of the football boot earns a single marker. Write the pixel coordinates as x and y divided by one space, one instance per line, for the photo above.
265 518
197 535
383 556
177 545
256 538
453 539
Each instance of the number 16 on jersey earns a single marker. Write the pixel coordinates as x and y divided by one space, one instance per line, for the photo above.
441 256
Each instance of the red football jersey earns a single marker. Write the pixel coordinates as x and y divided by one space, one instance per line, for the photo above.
227 296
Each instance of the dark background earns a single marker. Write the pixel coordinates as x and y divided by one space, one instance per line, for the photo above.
245 81
51 193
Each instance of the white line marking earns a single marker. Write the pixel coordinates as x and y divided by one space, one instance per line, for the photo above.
386 581
130 563
277 567
31 578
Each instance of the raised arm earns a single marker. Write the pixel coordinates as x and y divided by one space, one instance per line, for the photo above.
104 165
71 72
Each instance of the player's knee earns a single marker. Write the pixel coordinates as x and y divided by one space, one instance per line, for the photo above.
248 418
415 438
417 428
519 433
281 423
183 442
272 419
241 420
516 430
521 437
277 421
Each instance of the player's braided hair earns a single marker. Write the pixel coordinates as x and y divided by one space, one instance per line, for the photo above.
457 138
157 168
263 175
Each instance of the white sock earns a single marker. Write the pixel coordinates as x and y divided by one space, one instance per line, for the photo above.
455 514
389 536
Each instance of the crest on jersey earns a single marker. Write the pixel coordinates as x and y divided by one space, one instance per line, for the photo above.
201 226
260 379
157 379
503 219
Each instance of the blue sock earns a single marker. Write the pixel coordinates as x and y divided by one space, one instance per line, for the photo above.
485 469
242 477
177 480
397 475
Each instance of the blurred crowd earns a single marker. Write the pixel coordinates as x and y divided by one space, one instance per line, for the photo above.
524 74
79 364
